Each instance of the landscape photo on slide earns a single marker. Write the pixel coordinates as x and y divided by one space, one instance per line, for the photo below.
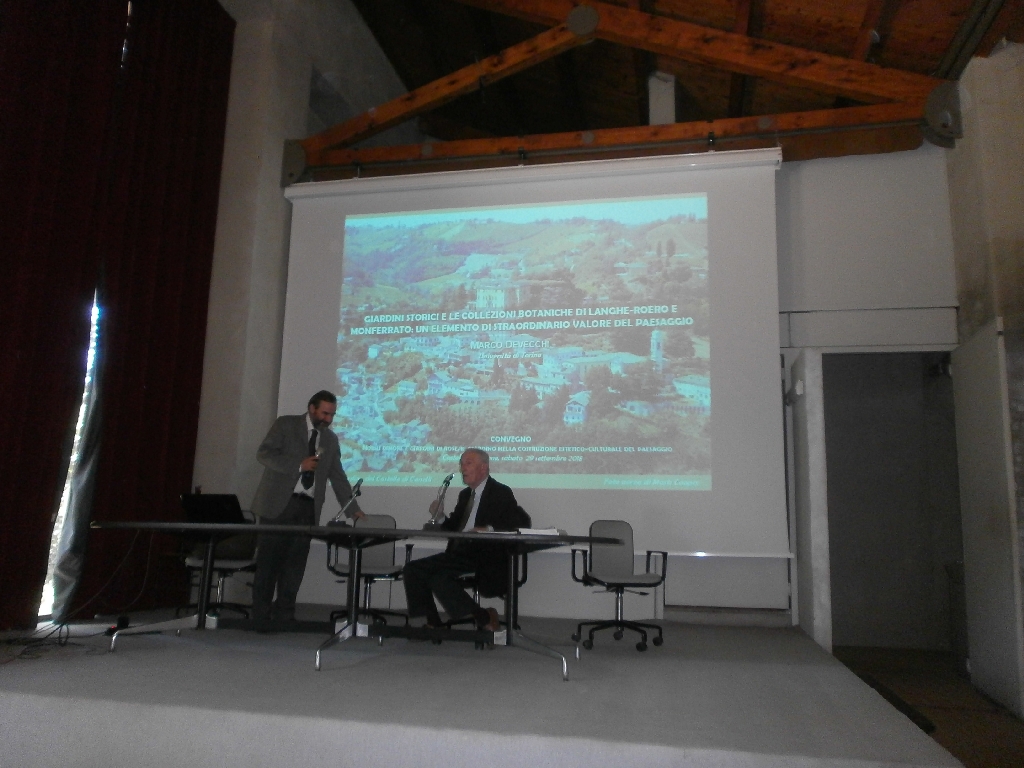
570 341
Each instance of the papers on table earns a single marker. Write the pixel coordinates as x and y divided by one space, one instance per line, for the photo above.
543 531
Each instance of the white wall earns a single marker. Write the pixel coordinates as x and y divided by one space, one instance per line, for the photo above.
866 252
810 499
985 172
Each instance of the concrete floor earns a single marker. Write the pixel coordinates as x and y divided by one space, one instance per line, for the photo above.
722 696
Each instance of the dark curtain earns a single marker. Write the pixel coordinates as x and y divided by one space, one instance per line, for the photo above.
158 237
113 167
59 66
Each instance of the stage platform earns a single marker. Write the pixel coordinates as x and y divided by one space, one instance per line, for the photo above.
711 696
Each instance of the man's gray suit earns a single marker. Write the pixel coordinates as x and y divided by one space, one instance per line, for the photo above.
281 560
281 452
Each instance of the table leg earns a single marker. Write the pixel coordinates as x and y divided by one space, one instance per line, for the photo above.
529 644
205 580
196 621
351 625
514 637
511 591
186 622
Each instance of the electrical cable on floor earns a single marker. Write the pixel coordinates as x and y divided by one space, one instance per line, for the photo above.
36 641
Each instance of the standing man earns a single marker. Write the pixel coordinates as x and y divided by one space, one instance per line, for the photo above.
492 507
300 454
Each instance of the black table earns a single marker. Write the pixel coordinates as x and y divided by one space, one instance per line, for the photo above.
356 539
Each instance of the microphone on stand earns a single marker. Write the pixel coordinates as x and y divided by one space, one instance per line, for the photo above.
337 519
437 515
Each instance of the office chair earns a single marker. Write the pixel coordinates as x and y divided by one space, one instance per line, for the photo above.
378 564
611 566
471 580
235 554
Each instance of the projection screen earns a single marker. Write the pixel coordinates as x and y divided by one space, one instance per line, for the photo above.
606 331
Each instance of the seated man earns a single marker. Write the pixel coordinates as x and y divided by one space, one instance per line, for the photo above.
492 507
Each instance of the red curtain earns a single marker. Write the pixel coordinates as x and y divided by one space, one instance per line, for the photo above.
158 242
112 169
59 64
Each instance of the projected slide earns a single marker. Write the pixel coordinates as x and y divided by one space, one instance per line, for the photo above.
570 341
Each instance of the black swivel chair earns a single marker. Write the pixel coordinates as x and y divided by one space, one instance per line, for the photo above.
231 556
471 581
611 566
378 564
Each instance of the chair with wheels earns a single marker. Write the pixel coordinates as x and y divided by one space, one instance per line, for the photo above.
231 556
378 564
492 583
471 582
611 566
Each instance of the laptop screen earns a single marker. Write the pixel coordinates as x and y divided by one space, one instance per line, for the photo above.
212 508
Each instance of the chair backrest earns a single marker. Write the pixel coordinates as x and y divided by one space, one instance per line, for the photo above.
380 557
219 508
611 561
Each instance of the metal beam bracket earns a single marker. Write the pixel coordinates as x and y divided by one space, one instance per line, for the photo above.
943 121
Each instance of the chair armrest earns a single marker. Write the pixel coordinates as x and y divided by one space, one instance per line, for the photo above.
332 562
585 579
523 571
664 561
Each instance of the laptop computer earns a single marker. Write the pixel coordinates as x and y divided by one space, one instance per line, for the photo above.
212 508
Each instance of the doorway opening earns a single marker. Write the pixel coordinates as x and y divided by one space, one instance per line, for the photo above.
895 541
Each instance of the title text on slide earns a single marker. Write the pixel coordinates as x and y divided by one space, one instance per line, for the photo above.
583 318
524 447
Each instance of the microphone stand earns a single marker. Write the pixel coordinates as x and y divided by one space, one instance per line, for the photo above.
355 492
438 516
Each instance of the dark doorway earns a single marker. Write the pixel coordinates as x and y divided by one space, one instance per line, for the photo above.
893 501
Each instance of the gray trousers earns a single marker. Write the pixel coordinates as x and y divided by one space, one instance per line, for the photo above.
281 564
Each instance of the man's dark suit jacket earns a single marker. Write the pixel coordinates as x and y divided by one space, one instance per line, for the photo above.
499 510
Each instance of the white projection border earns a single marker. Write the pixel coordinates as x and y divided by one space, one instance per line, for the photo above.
744 510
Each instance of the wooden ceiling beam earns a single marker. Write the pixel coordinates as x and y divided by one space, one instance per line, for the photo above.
873 33
730 51
466 80
902 118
